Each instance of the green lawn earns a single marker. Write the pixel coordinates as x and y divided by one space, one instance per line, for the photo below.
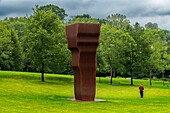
25 93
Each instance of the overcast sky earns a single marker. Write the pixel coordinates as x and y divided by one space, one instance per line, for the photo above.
142 11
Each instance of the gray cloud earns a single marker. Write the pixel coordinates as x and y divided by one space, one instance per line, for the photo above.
18 7
96 8
14 7
130 8
4 10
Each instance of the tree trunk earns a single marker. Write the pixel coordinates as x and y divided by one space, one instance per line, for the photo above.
99 73
111 75
99 79
163 78
150 77
131 77
42 73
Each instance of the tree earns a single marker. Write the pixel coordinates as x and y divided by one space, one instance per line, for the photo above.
115 45
5 47
45 38
168 47
167 35
139 50
168 56
150 25
106 43
86 18
102 21
164 61
101 62
118 21
18 25
154 40
163 64
17 53
80 16
63 63
83 20
161 55
57 10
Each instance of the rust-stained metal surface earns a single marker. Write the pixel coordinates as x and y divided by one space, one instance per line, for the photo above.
82 40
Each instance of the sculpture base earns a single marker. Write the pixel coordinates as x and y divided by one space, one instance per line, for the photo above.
96 100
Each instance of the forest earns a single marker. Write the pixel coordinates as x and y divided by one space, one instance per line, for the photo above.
37 43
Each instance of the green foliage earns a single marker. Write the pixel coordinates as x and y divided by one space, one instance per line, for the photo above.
5 47
84 20
102 66
115 45
17 53
80 16
153 49
151 25
155 46
118 21
167 35
132 49
18 25
45 38
135 55
57 10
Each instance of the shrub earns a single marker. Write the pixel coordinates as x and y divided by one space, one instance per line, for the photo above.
145 78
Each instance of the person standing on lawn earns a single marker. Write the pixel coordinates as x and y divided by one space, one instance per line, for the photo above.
141 88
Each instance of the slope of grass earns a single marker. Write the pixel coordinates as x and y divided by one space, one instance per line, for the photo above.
24 93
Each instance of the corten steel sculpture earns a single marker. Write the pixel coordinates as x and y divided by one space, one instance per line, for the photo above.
83 40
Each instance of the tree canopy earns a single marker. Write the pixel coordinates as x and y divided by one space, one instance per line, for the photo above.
45 33
57 10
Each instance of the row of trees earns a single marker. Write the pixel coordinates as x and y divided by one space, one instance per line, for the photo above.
37 43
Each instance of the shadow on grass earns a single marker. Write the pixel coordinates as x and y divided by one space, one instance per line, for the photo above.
20 77
58 98
117 84
49 80
59 79
45 98
127 85
161 87
52 82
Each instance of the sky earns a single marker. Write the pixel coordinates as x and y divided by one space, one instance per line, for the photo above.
142 11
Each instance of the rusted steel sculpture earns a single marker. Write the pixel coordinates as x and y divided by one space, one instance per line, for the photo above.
82 40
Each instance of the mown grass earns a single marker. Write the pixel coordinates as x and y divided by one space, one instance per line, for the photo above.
23 92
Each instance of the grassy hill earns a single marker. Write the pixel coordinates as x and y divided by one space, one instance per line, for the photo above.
23 92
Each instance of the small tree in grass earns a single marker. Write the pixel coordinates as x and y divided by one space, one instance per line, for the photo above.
44 40
155 39
116 46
